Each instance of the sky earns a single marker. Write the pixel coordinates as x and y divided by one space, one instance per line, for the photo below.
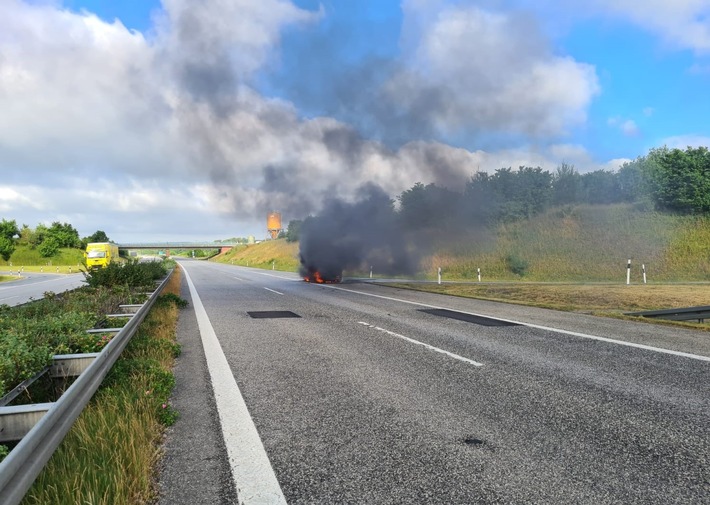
175 120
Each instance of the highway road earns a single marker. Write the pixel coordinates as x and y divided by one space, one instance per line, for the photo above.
369 394
32 286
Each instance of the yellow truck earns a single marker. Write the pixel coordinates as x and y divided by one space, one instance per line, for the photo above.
100 254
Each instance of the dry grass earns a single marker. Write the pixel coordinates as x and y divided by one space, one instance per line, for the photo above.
601 299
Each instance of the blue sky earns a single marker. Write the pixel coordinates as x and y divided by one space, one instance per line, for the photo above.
220 113
643 79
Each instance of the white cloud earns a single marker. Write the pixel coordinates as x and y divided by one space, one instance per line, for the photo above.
627 127
111 130
473 69
683 23
685 141
630 128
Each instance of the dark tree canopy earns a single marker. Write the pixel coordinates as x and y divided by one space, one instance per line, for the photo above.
679 180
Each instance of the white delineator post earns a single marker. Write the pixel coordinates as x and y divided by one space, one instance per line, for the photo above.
273 265
479 275
643 269
370 271
439 273
628 273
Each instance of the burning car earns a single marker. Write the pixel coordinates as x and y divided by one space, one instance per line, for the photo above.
314 275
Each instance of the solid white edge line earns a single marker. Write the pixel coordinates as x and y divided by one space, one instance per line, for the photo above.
430 347
252 472
530 325
273 291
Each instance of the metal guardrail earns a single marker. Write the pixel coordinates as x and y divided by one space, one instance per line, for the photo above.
683 314
24 463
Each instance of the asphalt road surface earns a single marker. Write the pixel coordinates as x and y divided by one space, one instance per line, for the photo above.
32 286
379 395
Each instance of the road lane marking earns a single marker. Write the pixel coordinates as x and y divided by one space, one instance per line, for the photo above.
430 347
540 327
239 279
8 298
273 291
253 475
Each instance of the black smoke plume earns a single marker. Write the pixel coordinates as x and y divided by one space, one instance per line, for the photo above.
355 236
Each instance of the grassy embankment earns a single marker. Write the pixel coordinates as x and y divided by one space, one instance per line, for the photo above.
111 452
279 254
26 259
585 247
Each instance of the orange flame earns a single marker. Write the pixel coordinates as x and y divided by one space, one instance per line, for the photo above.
318 278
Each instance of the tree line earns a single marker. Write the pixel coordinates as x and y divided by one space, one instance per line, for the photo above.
46 239
670 180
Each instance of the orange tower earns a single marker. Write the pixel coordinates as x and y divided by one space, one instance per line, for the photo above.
273 224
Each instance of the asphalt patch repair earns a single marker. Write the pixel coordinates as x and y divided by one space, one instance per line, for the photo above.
470 318
272 314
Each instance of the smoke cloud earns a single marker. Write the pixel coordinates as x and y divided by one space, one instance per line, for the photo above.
188 115
355 235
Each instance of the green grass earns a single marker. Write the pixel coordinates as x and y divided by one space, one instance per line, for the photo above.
25 256
279 254
110 454
584 243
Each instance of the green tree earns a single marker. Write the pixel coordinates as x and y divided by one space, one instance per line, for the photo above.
600 187
26 234
64 235
480 202
429 206
680 180
632 181
7 247
39 235
566 185
97 236
49 247
8 231
293 230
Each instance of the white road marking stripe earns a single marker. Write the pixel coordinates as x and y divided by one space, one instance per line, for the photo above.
253 475
530 325
9 298
430 347
273 291
239 279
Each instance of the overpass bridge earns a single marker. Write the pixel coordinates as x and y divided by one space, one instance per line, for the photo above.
167 246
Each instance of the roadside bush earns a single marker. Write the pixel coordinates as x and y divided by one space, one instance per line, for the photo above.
20 360
516 264
131 274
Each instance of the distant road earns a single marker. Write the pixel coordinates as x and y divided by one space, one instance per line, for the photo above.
32 286
380 395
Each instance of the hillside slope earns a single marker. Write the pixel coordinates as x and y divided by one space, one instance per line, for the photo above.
580 244
278 254
585 243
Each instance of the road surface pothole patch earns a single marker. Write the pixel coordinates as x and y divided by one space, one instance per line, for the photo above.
473 441
470 318
272 314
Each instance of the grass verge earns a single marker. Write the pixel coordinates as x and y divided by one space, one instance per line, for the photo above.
110 454
598 299
277 254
